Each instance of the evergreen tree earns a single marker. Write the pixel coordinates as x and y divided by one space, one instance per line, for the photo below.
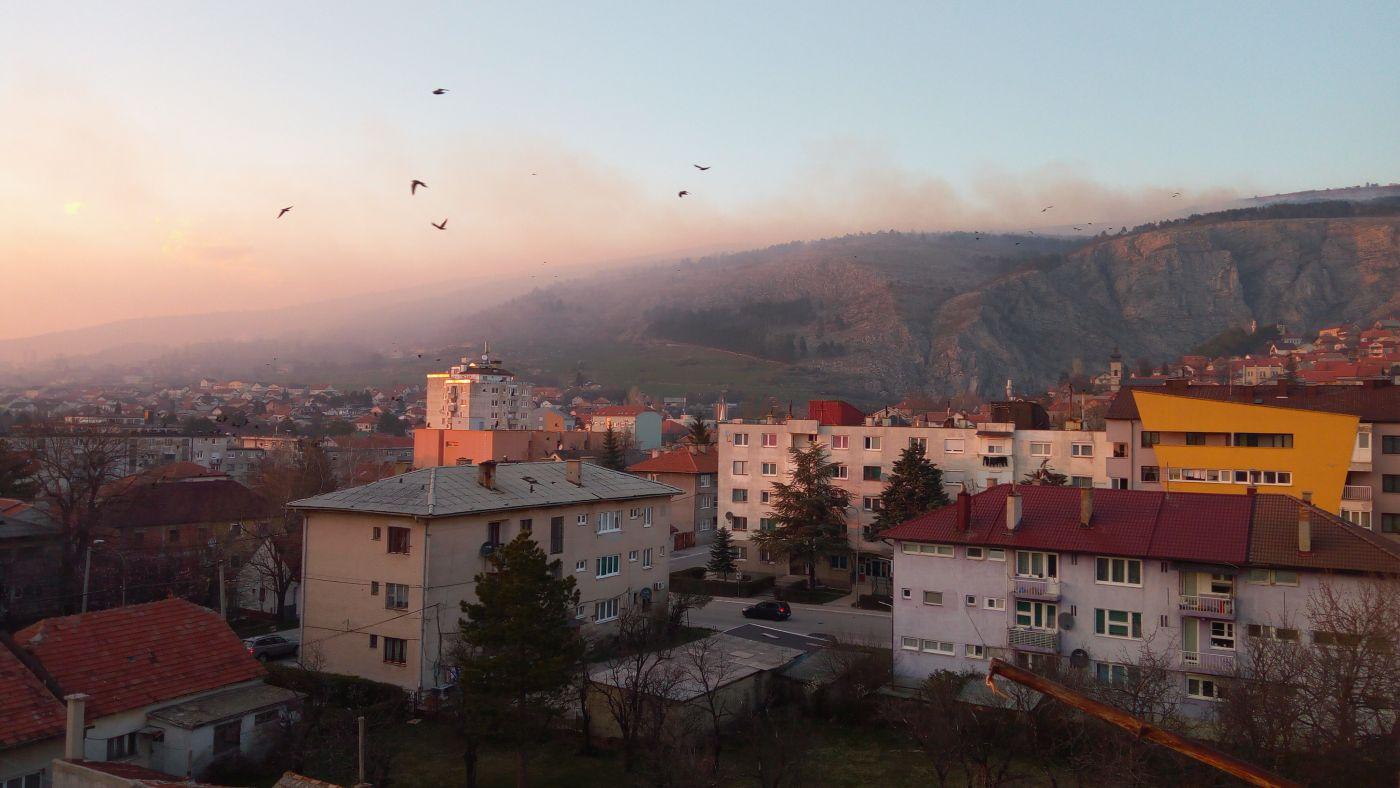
808 513
699 434
915 486
519 652
1045 475
722 554
389 424
613 456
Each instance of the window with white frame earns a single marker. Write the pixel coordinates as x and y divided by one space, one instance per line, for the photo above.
975 651
1203 688
996 554
396 596
1125 624
609 522
870 503
1222 635
953 445
975 553
921 444
872 442
632 556
1268 632
740 468
909 643
646 516
994 603
940 550
840 441
1037 615
609 565
769 440
769 469
970 600
739 495
581 519
1273 577
906 593
1115 673
933 597
705 480
741 439
605 610
581 566
646 558
1118 571
937 647
739 524
1081 450
1030 563
1039 449
839 471
764 496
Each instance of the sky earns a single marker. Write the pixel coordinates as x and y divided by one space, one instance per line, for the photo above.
147 147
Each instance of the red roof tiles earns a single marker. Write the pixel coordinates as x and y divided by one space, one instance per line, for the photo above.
129 657
28 711
679 461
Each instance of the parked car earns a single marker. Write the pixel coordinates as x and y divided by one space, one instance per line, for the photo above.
775 611
266 647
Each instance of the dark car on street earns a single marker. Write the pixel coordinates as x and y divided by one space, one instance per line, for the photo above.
266 647
774 611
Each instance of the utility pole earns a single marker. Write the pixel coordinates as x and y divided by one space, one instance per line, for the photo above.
87 575
361 752
223 599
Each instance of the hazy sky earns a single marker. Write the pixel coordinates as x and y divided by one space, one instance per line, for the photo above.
145 148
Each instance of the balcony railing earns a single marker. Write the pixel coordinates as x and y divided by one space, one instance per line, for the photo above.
1356 492
1029 639
1203 606
1208 662
1035 588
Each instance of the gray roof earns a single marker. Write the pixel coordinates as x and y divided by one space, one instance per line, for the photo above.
714 661
454 490
223 705
27 521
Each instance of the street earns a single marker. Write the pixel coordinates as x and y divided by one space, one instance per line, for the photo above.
843 623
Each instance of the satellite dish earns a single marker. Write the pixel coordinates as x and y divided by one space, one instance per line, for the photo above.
1066 621
488 549
646 594
1079 658
729 517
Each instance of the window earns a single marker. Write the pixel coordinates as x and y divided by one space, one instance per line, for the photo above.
1222 635
119 747
936 647
1112 673
634 513
1081 450
374 641
705 480
1390 483
581 519
906 593
953 445
1150 439
1203 688
374 588
1040 449
741 468
646 516
871 473
839 561
493 533
741 439
1036 615
996 554
919 444
605 610
739 524
940 550
770 440
1390 523
1031 564
646 558
1195 439
840 441
396 650
556 535
870 503
1360 518
609 522
1273 577
609 565
173 536
975 553
1263 440
909 644
398 539
739 495
1390 444
975 651
632 556
839 471
770 469
374 533
396 596
1271 632
872 442
264 717
228 737
970 600
741 553
1081 481
31 780
1151 473
1118 623
1222 584
580 566
933 597
1120 451
994 603
1118 571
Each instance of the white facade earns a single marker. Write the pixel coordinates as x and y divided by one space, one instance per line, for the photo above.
478 396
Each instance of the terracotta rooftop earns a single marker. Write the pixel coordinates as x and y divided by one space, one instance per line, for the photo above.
621 410
1376 402
179 502
133 656
680 461
1260 530
28 711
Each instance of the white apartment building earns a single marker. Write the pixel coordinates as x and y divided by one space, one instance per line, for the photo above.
386 565
1103 577
753 455
478 395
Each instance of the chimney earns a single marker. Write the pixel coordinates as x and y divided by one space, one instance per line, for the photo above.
76 730
964 511
573 472
1013 510
1305 524
486 476
1086 506
1251 490
655 453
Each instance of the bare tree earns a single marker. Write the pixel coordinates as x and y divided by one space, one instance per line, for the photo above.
710 668
780 741
638 681
275 563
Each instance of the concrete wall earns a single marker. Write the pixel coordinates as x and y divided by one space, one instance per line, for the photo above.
437 447
30 758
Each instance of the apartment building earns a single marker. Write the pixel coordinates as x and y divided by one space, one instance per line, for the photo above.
1341 442
386 565
478 395
693 470
453 447
753 455
640 424
1104 576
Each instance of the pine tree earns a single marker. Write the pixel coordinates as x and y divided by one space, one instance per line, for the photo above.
613 456
1045 475
808 513
698 433
519 652
915 486
722 554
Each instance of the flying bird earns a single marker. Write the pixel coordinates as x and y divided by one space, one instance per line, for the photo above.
442 226
1079 228
283 212
413 186
682 193
439 91
1046 208
698 167
1176 194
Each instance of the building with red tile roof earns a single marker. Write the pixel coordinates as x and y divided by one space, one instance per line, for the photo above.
29 711
695 471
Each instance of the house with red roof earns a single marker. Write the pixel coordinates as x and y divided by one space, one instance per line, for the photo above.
165 686
1101 577
695 471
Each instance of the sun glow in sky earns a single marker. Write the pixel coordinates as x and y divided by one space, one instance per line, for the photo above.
171 134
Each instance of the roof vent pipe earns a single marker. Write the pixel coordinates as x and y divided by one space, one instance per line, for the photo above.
1086 506
1305 524
964 510
1013 510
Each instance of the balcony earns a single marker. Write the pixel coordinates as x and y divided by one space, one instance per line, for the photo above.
1047 589
996 461
1029 639
1221 608
1356 492
1208 662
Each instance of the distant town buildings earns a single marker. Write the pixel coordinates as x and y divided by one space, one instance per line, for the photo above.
478 395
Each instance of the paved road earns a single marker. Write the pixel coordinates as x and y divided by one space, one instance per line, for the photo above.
690 557
845 623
